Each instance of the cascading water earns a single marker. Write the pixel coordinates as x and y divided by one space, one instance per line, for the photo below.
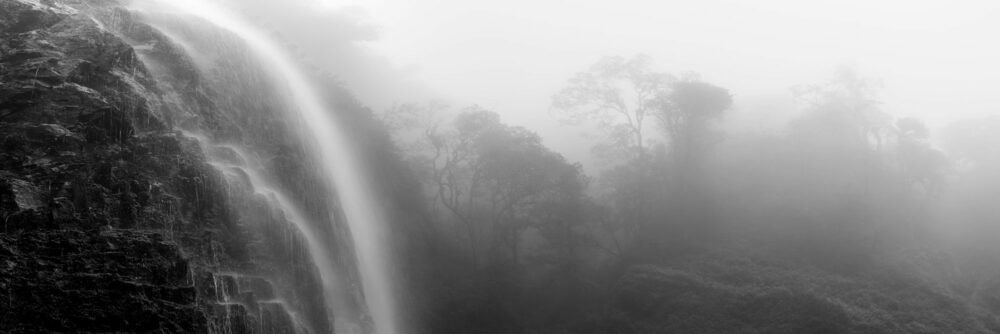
333 151
246 168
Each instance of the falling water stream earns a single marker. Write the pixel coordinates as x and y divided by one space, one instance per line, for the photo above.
247 167
341 164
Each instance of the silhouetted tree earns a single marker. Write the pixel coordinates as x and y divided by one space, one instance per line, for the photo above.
919 163
685 112
494 180
619 95
846 107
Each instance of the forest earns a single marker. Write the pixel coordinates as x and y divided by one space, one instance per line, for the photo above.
845 219
521 167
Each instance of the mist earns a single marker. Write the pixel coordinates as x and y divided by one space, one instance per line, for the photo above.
446 166
510 56
837 151
839 147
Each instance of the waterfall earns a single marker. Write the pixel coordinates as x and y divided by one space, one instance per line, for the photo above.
342 166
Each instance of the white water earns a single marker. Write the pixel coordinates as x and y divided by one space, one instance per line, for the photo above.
364 217
251 170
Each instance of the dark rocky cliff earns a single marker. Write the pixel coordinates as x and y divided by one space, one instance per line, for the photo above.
112 219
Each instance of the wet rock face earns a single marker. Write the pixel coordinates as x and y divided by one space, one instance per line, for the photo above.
109 281
16 18
78 138
75 126
110 221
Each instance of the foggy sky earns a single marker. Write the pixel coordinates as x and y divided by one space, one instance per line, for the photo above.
937 60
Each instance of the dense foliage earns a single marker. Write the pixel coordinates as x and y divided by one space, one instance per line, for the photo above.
690 228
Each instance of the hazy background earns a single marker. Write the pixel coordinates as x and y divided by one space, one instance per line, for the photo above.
936 59
821 182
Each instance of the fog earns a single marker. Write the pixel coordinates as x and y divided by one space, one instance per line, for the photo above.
574 161
500 167
933 58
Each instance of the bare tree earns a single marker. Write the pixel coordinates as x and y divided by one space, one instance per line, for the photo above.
619 95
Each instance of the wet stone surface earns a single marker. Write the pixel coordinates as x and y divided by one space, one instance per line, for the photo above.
109 218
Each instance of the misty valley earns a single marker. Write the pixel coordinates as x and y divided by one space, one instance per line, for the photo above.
388 167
